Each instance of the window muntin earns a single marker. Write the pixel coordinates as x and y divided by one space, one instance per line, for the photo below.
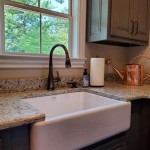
35 32
56 5
61 6
28 2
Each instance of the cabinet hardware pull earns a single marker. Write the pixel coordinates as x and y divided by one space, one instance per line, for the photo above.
132 27
136 27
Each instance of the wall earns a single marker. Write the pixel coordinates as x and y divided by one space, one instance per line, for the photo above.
140 51
36 73
116 53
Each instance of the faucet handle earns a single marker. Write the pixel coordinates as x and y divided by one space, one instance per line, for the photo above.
57 78
57 73
74 84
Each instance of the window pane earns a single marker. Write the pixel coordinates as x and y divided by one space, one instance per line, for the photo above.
56 5
22 31
54 31
28 2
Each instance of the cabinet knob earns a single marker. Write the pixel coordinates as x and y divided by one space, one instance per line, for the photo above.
74 84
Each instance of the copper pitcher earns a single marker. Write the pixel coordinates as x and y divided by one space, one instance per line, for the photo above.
133 73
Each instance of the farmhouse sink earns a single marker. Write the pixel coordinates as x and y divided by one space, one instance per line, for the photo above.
76 120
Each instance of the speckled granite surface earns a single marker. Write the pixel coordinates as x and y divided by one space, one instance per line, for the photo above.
122 92
15 112
18 85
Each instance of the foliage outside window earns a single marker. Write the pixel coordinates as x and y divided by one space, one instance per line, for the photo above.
34 26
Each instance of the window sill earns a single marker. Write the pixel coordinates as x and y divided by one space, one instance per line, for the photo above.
36 62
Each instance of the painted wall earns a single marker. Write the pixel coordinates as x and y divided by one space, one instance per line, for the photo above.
36 73
140 51
116 53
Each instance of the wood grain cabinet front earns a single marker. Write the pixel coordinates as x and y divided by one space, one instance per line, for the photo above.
118 22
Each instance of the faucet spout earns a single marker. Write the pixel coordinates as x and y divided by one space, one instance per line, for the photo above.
67 65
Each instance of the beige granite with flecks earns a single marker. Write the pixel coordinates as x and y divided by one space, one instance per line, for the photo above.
20 85
15 112
122 92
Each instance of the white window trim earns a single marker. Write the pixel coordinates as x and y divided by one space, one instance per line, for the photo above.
39 61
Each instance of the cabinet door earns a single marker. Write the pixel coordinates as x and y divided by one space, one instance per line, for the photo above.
133 135
121 18
16 138
97 20
138 136
141 20
5 139
20 138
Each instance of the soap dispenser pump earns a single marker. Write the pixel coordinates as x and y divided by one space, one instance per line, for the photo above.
85 79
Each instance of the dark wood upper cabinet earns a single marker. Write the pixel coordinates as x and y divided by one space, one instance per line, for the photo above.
141 20
121 19
118 22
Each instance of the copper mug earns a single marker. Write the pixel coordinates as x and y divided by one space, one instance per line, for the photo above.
133 73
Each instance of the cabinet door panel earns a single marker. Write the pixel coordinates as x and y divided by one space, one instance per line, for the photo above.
97 20
121 24
141 20
5 139
145 126
133 135
20 138
95 17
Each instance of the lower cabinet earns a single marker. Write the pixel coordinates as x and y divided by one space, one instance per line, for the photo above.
138 136
16 138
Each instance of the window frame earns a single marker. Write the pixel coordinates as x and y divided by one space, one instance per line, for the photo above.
77 53
40 11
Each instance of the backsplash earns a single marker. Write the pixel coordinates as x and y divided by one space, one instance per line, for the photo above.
19 85
115 78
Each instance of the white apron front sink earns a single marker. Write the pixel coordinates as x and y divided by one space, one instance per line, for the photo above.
76 120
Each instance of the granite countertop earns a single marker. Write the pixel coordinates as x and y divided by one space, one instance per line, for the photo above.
15 112
123 92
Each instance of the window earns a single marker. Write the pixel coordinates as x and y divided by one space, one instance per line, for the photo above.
52 21
34 26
